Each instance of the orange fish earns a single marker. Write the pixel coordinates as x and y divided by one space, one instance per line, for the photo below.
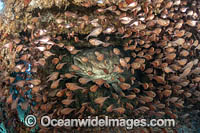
189 65
20 66
9 100
69 75
109 108
123 62
191 22
168 70
20 83
118 69
129 106
75 68
100 57
167 93
131 3
116 51
127 59
146 99
173 99
186 72
55 84
74 52
67 101
90 73
182 62
101 100
53 76
48 53
92 111
106 85
160 106
84 59
124 86
121 79
61 45
81 110
160 79
35 81
160 114
126 20
96 42
25 57
35 89
196 79
179 104
131 96
44 98
60 66
145 85
72 86
115 96
83 80
17 40
60 93
69 93
97 53
95 32
19 48
99 81
9 45
150 93
120 110
170 56
109 30
41 61
70 48
93 88
66 111
143 108
163 22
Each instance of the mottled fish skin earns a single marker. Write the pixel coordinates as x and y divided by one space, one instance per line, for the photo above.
95 66
95 69
95 32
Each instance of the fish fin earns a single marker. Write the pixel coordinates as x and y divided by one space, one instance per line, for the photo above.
106 44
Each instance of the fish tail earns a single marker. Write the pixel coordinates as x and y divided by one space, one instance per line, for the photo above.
118 89
87 37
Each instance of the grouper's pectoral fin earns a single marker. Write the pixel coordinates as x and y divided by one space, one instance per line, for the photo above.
118 89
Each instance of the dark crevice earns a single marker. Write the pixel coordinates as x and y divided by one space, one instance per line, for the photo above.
71 7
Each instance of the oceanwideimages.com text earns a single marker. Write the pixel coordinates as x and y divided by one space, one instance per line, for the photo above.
46 121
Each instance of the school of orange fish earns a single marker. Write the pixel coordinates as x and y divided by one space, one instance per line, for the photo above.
71 81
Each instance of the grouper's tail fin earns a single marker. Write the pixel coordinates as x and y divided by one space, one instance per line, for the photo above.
118 89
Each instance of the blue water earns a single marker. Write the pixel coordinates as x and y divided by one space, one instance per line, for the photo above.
1 5
2 128
21 113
